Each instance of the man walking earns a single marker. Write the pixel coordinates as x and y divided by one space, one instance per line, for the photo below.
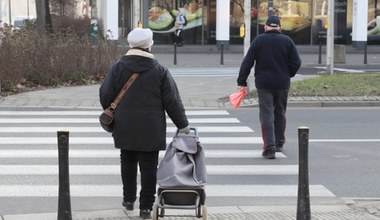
180 21
276 60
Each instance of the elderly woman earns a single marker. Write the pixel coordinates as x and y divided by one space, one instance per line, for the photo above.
140 122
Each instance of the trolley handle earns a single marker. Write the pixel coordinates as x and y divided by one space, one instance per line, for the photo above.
193 132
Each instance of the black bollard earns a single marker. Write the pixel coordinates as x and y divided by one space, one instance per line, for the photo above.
175 54
221 54
365 53
303 201
64 205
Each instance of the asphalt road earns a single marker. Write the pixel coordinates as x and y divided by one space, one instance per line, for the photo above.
342 156
343 145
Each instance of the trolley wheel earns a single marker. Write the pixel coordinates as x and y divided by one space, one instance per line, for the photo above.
204 212
155 212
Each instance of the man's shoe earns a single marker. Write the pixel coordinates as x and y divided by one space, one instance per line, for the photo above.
145 213
128 205
269 153
279 148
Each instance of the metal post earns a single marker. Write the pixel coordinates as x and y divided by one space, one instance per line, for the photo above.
64 205
175 54
303 201
365 53
10 13
270 7
27 8
320 52
221 54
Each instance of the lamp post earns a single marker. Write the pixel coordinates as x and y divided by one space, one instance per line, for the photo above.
10 13
27 8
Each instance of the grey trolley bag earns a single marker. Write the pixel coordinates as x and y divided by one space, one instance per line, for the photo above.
181 177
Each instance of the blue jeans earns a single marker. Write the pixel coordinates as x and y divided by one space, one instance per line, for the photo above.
147 162
272 106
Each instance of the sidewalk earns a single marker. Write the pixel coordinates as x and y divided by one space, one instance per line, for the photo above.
352 210
213 89
207 88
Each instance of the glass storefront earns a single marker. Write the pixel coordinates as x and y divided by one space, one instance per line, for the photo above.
305 21
161 19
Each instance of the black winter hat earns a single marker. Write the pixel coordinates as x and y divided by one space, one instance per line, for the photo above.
273 21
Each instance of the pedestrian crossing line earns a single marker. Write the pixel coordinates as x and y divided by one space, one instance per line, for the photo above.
109 140
97 113
245 170
343 140
73 153
116 191
98 129
96 120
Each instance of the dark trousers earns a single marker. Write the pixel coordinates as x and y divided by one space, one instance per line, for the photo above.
178 36
272 105
147 162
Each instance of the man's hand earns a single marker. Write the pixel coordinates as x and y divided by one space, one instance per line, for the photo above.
241 88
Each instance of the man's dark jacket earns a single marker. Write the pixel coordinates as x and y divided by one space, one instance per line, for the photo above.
140 120
275 58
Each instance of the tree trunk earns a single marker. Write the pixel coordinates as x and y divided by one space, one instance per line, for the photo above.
43 15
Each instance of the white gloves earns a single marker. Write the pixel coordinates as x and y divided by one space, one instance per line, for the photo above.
185 130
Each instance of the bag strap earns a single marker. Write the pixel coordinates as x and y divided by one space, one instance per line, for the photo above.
123 90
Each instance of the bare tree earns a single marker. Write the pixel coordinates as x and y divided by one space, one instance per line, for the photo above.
63 7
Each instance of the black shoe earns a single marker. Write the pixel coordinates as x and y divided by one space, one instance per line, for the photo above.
279 148
145 213
180 44
128 205
269 153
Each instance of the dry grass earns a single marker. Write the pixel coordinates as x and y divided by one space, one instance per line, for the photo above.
341 84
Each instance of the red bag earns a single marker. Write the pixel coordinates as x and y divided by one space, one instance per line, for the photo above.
237 97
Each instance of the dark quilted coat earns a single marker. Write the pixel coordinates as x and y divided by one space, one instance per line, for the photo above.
140 120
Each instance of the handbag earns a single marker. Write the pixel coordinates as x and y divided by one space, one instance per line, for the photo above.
106 119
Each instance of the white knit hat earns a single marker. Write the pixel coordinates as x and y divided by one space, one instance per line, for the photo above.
140 37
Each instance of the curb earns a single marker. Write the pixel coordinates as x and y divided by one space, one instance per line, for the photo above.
318 212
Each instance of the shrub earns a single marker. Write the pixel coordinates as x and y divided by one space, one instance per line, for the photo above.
30 57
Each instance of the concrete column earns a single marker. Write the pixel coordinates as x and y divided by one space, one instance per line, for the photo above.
330 38
1 12
223 23
359 23
136 9
247 22
110 21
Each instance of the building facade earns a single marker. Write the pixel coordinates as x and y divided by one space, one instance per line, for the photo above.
305 21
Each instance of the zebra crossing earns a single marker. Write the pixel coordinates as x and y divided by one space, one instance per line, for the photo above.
28 157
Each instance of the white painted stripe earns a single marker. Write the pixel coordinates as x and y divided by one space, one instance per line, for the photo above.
43 153
97 113
343 70
96 120
115 169
116 191
109 140
98 129
343 140
203 140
